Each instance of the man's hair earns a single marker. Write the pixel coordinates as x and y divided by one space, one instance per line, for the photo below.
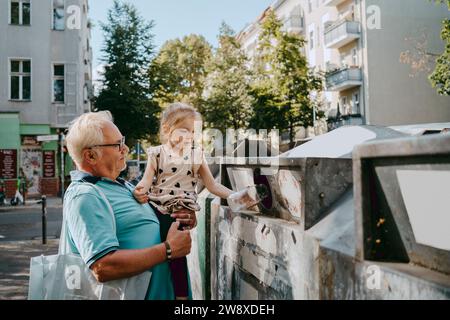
86 131
173 115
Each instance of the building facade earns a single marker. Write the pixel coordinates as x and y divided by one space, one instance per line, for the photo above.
45 82
358 44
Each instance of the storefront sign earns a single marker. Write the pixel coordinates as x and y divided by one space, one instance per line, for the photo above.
49 164
29 141
8 163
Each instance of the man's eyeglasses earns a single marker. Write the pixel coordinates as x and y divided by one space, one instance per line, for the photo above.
120 145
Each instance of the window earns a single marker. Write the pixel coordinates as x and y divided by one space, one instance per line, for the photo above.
58 15
354 57
309 6
318 36
58 83
356 108
20 13
345 107
20 80
311 40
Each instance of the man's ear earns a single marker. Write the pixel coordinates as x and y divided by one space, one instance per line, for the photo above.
90 156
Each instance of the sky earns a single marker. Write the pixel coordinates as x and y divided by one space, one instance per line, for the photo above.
177 18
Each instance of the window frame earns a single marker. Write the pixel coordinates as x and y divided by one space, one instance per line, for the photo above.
20 74
52 22
53 78
20 2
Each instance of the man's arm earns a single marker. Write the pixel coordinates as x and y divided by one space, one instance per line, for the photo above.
127 263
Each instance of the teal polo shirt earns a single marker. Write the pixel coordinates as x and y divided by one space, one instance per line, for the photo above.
91 230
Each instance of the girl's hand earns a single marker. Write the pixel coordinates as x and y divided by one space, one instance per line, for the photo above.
140 195
186 217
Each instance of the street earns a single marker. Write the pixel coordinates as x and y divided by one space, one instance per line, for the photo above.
26 224
21 239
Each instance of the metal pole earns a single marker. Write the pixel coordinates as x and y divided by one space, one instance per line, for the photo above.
61 141
138 149
314 119
44 219
22 187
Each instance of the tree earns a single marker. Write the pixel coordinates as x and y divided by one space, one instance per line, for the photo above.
126 90
283 83
421 59
227 99
179 70
440 78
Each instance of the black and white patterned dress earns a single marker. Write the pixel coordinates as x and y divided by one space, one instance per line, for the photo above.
175 182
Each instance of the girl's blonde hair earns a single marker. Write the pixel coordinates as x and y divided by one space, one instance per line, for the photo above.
173 115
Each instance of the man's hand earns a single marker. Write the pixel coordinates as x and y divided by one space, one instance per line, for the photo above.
179 241
140 195
186 217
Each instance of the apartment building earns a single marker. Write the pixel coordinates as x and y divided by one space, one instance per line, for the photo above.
45 82
358 43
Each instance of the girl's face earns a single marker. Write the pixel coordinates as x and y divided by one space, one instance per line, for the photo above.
183 133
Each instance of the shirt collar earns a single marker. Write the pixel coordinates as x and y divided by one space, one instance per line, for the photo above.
77 175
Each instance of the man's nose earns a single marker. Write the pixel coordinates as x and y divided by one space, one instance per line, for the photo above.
125 149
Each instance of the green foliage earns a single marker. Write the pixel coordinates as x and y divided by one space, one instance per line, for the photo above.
283 82
179 70
440 78
227 99
126 90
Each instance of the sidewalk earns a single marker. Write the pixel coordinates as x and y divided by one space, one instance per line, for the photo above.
15 265
52 202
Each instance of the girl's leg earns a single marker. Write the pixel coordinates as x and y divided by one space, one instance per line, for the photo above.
178 267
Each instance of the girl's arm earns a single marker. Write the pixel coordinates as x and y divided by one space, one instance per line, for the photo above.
212 185
140 192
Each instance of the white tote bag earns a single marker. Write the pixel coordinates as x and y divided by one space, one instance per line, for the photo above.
65 276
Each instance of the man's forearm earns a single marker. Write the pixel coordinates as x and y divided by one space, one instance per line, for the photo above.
127 263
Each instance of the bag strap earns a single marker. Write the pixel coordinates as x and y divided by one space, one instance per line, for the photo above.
64 246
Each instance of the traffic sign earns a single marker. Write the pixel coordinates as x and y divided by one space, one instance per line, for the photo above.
53 137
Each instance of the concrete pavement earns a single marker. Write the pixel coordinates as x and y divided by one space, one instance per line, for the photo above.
15 265
23 223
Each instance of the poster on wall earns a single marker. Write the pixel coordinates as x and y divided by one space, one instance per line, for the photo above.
49 164
31 164
8 163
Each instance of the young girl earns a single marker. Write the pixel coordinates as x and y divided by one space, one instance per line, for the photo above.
170 178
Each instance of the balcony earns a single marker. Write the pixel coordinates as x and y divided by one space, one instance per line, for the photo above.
342 33
293 24
343 79
333 3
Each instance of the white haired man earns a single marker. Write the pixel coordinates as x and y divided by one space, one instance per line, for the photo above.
134 246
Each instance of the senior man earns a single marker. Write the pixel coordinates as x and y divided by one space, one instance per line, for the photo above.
134 244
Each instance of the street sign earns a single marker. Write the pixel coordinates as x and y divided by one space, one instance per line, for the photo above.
53 137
